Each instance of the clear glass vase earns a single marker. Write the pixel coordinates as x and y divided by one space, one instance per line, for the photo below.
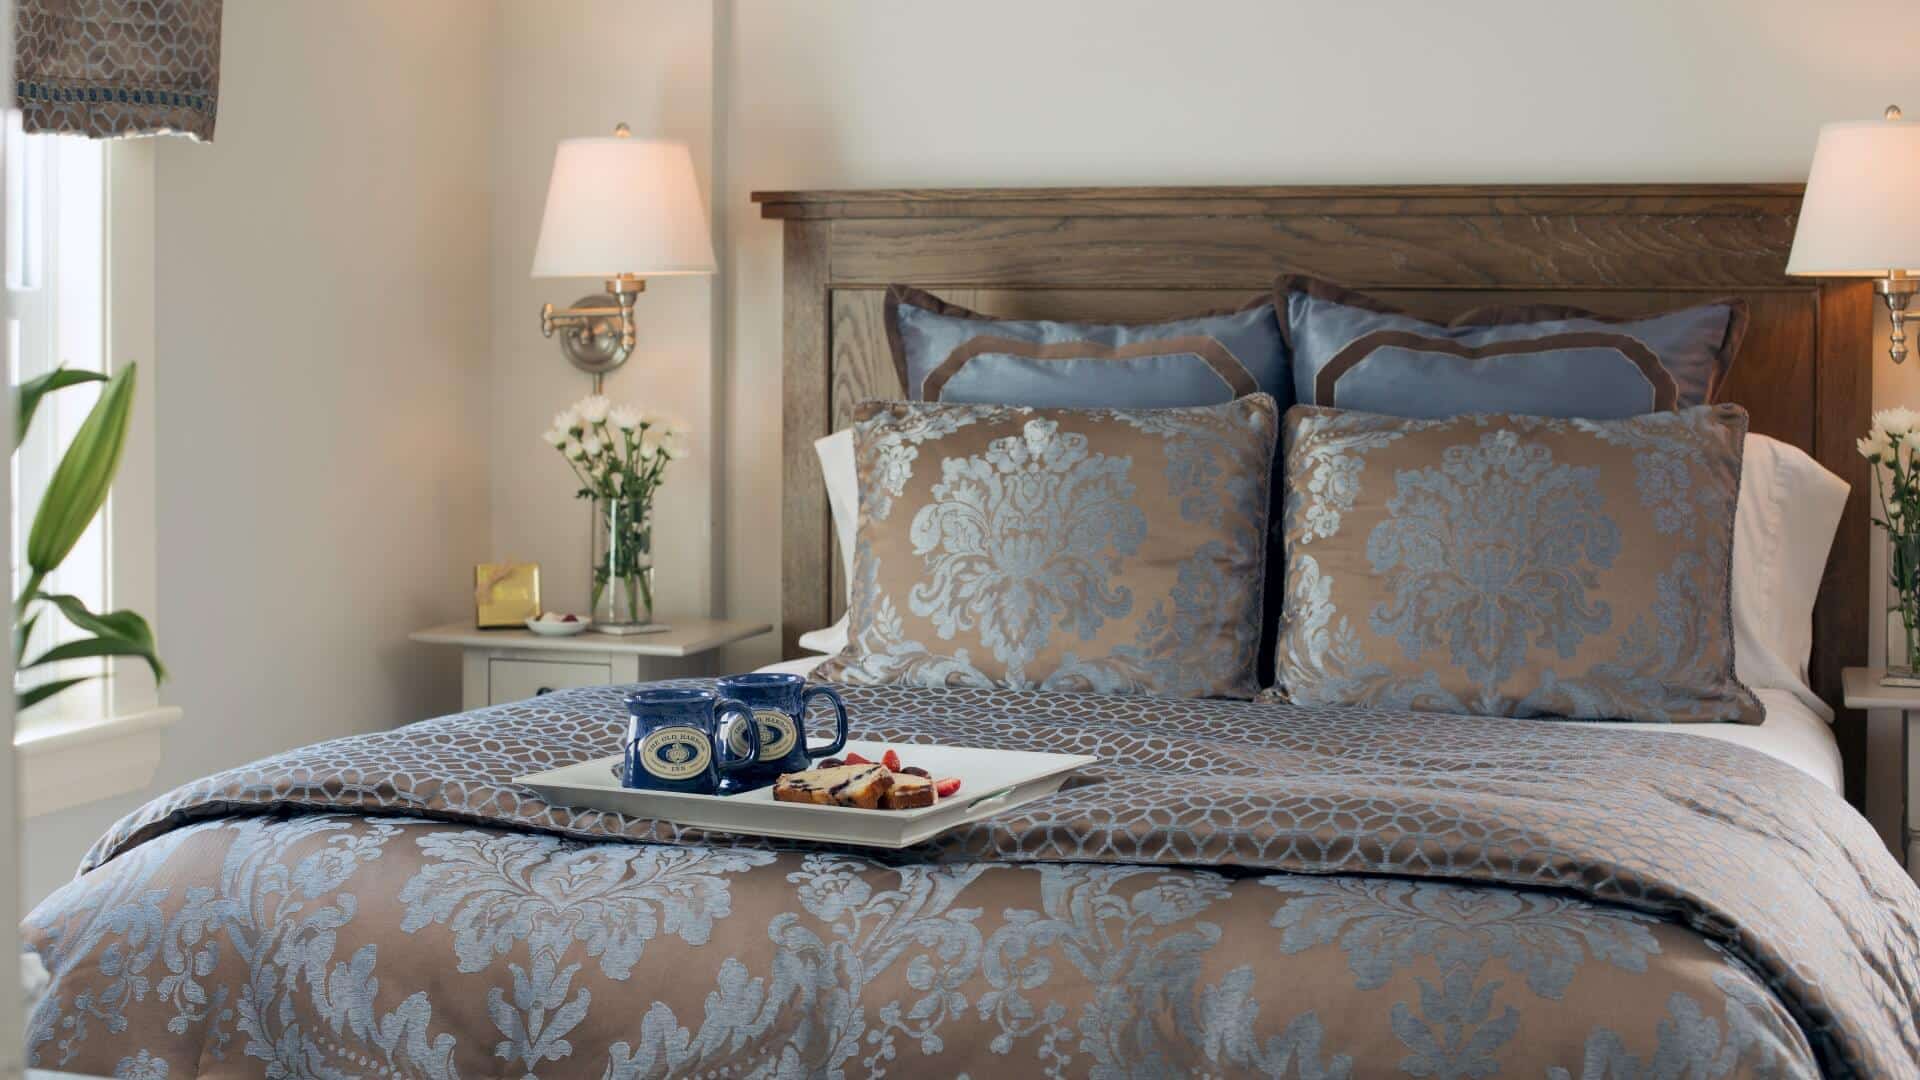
622 586
1903 581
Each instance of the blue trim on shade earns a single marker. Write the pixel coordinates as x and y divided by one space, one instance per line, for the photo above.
29 90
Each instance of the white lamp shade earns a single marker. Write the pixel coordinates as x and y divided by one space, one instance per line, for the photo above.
622 206
1861 214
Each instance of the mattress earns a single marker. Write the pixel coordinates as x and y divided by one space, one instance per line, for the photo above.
1791 733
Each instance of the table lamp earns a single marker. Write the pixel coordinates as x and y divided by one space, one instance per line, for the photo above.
1860 216
621 209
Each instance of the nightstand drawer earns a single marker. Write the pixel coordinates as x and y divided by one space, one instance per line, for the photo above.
518 680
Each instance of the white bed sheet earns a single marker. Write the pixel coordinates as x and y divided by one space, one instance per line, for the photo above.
1792 732
802 666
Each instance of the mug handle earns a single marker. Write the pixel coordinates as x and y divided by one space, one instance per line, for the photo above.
840 719
741 714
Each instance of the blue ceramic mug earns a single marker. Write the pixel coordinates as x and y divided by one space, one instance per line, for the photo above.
779 703
673 740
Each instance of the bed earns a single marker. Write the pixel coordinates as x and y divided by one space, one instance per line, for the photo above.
1237 888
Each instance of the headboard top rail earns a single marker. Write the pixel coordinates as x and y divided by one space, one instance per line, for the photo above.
1271 200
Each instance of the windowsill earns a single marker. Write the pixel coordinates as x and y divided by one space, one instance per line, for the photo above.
64 763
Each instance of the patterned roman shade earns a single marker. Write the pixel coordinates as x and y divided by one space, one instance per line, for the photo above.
106 68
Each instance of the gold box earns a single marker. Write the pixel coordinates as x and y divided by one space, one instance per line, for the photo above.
505 594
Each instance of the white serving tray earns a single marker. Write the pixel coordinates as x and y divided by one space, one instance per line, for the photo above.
991 782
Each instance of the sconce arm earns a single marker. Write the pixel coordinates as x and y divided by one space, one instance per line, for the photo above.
577 315
1897 290
581 317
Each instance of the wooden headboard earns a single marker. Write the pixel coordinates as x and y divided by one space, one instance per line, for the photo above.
1138 254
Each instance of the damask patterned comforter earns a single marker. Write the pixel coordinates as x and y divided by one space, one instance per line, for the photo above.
1237 888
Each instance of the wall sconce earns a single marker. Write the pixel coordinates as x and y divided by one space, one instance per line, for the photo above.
621 209
1861 217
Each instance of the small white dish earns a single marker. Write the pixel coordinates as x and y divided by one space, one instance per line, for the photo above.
555 628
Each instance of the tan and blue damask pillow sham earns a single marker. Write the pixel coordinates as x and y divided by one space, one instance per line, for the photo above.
1513 565
1092 550
945 352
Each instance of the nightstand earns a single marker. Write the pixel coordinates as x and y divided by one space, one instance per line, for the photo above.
1863 691
513 665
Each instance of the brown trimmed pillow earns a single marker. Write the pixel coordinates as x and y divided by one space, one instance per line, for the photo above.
1095 550
945 352
1514 565
1353 351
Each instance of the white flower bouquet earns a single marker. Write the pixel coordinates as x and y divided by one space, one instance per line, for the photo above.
620 456
1891 445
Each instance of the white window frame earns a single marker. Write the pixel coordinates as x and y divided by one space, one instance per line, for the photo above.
108 742
12 998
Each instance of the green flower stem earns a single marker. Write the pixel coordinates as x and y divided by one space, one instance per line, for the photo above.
28 591
623 543
1898 494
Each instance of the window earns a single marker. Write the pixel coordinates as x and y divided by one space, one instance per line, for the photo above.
78 290
56 294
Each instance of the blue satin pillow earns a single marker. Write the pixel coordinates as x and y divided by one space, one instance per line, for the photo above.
945 352
1351 351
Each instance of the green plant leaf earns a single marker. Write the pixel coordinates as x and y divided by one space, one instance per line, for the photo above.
35 696
124 627
85 648
79 485
125 624
27 397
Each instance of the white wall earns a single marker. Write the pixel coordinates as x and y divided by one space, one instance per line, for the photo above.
322 386
646 62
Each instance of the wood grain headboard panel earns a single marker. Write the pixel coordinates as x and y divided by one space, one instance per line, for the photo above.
1137 254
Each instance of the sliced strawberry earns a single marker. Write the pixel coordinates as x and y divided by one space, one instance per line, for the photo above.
891 759
944 788
569 618
855 759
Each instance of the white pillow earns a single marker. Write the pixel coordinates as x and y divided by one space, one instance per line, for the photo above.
827 640
843 495
1783 528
